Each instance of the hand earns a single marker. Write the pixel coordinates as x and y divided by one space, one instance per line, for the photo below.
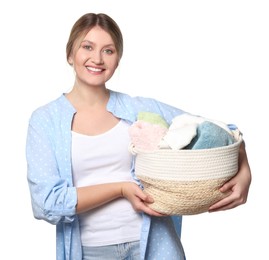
138 199
238 186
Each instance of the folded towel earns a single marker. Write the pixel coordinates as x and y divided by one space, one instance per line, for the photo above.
178 138
152 118
151 132
210 135
196 132
146 136
181 132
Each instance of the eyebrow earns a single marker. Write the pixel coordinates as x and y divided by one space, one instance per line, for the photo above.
107 45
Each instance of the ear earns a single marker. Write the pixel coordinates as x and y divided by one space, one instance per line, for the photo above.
70 60
118 63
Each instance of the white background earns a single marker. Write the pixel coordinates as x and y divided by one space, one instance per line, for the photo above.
206 57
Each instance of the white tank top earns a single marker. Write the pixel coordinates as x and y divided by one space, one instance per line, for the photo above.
102 159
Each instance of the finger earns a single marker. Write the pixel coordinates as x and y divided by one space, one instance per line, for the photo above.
227 186
146 209
148 199
226 207
151 212
145 197
227 203
221 203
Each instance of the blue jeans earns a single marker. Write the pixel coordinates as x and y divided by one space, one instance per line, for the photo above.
124 251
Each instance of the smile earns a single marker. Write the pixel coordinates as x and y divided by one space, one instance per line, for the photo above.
94 69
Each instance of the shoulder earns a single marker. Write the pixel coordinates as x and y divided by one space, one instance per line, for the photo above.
136 101
53 110
124 105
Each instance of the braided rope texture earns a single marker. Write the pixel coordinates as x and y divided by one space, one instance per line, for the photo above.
186 182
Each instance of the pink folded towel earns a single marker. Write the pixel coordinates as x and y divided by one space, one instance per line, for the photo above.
146 136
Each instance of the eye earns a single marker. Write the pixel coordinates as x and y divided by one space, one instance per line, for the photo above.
86 46
108 51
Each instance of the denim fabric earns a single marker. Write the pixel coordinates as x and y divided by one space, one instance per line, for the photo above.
124 251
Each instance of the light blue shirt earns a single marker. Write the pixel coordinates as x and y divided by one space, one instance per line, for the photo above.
49 173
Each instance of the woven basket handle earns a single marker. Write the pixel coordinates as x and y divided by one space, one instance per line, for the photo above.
238 136
131 149
134 150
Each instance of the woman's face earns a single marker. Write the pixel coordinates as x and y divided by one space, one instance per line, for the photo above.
95 59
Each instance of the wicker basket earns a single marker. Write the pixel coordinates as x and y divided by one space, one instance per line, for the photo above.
186 182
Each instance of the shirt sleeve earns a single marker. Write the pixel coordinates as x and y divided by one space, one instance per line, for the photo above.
167 111
53 197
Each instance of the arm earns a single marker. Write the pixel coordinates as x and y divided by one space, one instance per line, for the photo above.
52 195
238 185
90 197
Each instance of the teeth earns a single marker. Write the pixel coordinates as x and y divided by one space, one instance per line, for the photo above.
94 69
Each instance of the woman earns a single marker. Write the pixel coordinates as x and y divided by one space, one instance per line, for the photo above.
80 173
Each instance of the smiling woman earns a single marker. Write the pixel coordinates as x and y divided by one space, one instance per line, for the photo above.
97 55
80 173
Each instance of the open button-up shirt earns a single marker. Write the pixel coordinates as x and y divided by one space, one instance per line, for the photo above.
49 173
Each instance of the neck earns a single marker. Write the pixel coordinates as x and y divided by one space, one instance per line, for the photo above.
90 96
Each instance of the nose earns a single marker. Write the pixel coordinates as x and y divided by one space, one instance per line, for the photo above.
96 57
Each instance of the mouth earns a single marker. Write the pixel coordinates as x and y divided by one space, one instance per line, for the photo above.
94 69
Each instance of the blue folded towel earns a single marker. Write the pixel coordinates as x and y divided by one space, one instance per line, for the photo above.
210 135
